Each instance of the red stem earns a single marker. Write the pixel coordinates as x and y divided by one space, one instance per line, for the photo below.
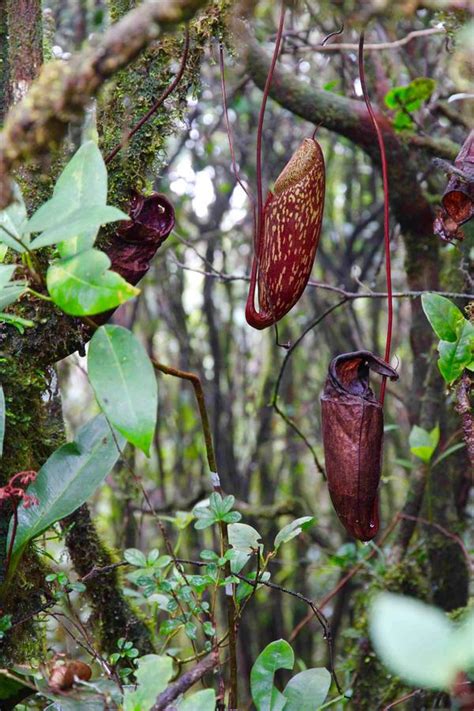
227 125
157 103
383 158
261 117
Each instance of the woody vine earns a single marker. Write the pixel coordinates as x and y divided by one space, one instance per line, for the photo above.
71 258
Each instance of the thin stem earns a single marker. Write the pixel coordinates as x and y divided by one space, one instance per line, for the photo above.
211 459
157 103
39 295
386 214
227 125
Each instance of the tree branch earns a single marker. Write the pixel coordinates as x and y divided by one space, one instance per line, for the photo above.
60 94
185 682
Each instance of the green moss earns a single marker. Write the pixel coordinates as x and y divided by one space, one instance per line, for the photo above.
375 687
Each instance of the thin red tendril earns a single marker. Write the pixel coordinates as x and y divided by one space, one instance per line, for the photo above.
157 103
383 158
261 117
227 125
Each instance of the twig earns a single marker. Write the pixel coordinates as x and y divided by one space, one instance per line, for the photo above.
378 46
288 354
185 682
401 700
211 458
316 610
349 295
345 579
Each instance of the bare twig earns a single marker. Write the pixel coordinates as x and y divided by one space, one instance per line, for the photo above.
185 682
374 47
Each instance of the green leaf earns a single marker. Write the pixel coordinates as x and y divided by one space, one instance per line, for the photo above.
6 273
276 655
86 219
13 222
153 674
307 690
292 530
9 294
78 205
454 357
135 557
417 642
245 540
83 183
204 700
124 383
2 419
83 285
445 318
68 478
17 321
423 443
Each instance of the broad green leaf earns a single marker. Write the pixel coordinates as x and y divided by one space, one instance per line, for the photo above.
68 478
79 243
153 675
307 690
13 222
10 293
6 273
84 179
244 539
292 530
3 251
83 285
72 224
415 641
204 700
2 419
423 443
463 644
444 316
124 383
83 183
78 206
454 357
276 655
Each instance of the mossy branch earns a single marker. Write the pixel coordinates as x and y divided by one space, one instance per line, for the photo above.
60 94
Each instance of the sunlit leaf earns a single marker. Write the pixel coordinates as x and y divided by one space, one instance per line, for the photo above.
423 443
84 285
454 357
444 316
